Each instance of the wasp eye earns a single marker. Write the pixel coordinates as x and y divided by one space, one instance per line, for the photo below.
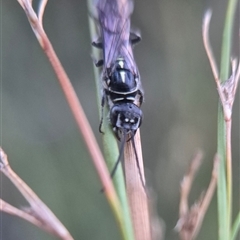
132 121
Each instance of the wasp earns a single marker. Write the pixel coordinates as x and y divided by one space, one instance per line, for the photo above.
121 85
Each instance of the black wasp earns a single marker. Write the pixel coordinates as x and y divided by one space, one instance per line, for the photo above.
122 89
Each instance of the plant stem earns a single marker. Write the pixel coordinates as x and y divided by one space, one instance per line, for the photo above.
229 169
137 196
224 134
235 227
110 145
222 194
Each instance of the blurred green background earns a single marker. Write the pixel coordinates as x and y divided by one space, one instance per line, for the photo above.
180 114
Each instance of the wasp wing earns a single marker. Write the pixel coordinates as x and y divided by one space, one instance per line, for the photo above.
114 20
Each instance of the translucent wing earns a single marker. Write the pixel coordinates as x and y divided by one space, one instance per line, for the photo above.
114 20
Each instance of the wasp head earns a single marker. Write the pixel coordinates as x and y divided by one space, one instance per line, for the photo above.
125 118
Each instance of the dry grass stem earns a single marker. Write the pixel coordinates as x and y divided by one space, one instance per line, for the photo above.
72 100
206 41
137 197
42 6
187 182
226 89
6 207
38 213
227 92
190 219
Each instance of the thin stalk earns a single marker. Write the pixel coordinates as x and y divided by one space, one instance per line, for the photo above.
224 128
37 213
137 197
235 227
222 191
229 168
227 39
110 145
78 114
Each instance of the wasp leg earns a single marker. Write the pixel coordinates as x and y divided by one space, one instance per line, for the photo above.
135 37
141 97
123 141
97 63
137 161
101 120
132 134
97 43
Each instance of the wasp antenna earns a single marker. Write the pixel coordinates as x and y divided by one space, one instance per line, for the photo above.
138 166
119 157
123 141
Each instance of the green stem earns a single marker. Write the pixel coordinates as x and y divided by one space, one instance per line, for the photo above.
227 39
222 194
229 169
235 227
110 146
224 134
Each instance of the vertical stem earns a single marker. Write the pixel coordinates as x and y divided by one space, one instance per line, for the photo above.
110 145
227 39
224 133
223 227
229 168
137 197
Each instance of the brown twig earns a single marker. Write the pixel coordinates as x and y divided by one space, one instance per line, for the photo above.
6 207
137 197
38 213
72 99
187 182
205 30
227 89
227 92
41 10
75 106
190 219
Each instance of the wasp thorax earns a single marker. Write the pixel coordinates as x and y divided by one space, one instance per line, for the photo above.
121 79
